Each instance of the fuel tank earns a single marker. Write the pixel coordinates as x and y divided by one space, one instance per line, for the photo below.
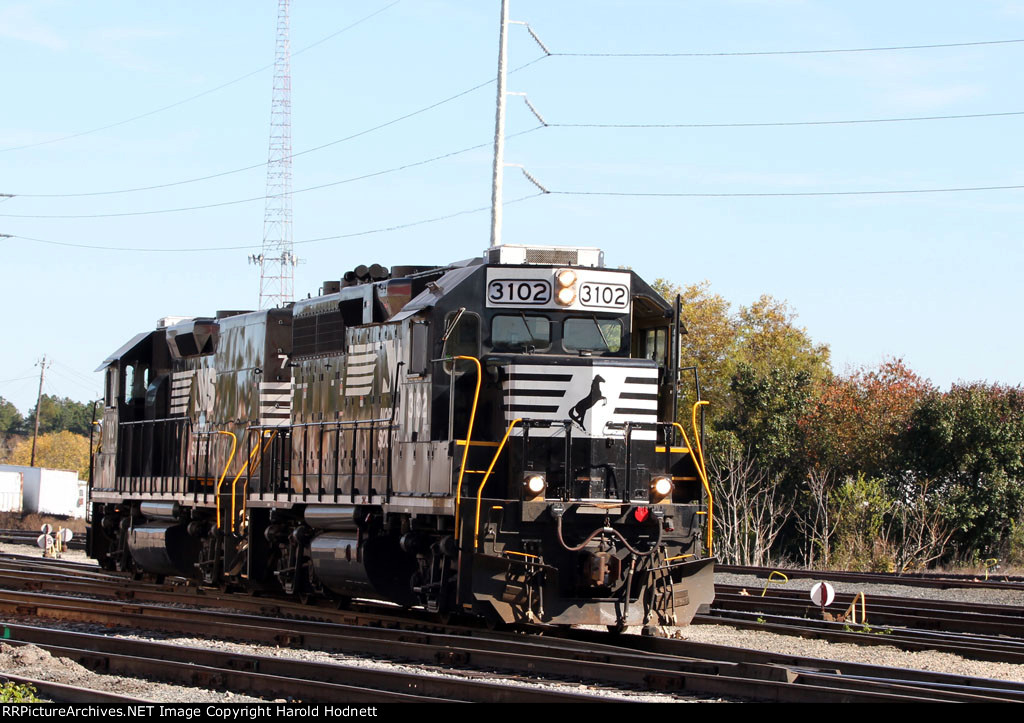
164 548
377 568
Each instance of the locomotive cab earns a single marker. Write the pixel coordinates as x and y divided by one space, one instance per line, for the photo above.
578 500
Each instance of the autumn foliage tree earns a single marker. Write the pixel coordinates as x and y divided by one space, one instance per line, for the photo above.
857 421
59 450
943 471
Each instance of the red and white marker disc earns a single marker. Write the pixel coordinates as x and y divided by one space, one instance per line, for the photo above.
830 593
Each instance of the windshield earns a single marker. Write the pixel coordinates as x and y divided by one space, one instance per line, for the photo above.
592 334
519 332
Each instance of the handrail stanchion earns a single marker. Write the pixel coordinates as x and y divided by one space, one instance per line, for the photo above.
697 456
469 435
231 458
487 474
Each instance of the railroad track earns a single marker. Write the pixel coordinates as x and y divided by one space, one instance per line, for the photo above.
28 537
640 663
942 581
994 649
61 693
272 677
918 613
92 582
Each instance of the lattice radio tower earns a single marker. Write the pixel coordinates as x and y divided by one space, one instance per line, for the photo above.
277 260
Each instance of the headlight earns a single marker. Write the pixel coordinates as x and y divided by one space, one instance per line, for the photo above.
566 296
661 487
566 282
535 485
566 277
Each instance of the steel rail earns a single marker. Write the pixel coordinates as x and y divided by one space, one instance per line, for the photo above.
738 678
102 650
63 693
974 648
933 580
28 537
301 631
675 647
888 611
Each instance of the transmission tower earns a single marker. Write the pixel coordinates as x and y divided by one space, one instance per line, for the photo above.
277 260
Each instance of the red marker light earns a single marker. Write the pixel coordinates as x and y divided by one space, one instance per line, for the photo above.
641 514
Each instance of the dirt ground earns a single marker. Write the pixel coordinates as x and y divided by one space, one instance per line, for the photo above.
19 521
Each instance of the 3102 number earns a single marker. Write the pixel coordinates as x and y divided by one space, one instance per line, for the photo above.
593 293
512 291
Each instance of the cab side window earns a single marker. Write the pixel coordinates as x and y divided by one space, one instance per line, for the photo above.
464 338
656 345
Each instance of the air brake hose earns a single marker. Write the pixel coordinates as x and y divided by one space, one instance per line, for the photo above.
606 529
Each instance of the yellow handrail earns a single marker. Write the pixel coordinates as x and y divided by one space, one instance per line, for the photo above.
490 468
245 486
231 458
990 564
704 471
774 575
697 463
469 435
851 612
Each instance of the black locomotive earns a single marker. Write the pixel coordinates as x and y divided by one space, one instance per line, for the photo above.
495 436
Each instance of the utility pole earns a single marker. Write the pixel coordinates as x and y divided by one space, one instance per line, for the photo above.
39 398
499 131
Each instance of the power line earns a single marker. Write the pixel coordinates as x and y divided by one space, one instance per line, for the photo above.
274 195
294 155
624 194
73 371
355 234
197 95
786 52
775 124
71 380
781 194
766 124
17 379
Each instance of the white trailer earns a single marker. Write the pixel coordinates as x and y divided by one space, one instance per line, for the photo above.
50 491
10 491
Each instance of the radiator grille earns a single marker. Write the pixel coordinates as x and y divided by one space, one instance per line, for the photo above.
555 257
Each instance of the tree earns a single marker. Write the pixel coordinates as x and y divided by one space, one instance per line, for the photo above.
61 413
764 414
710 341
763 336
968 445
861 506
11 421
770 339
751 508
59 450
857 420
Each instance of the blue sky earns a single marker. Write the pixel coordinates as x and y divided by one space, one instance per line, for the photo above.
931 278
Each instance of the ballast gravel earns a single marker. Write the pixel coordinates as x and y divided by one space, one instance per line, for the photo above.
32 662
28 663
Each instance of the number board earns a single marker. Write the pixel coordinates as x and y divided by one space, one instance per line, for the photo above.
535 288
603 295
519 292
